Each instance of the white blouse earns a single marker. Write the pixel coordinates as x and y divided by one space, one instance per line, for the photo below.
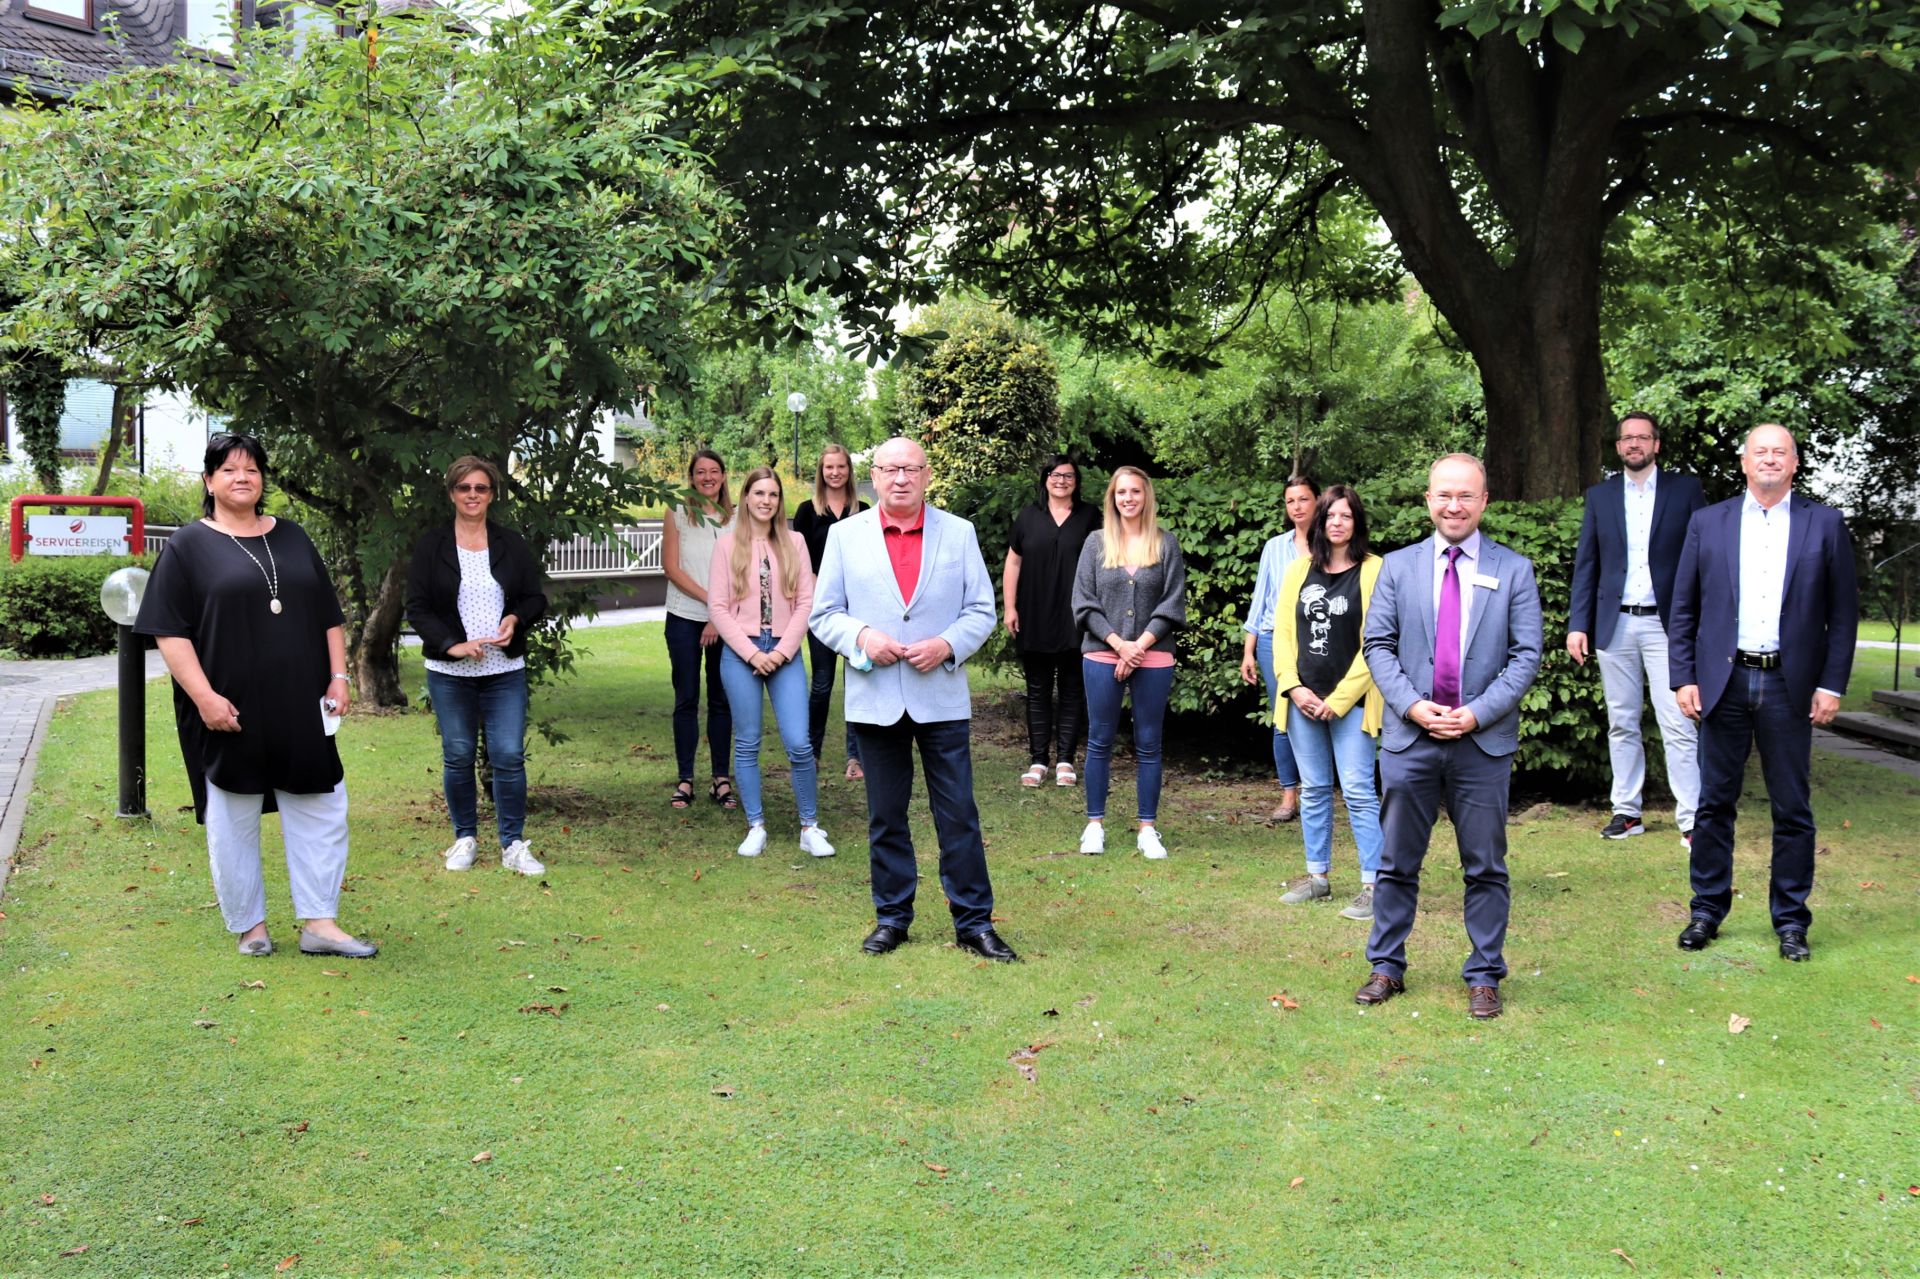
482 605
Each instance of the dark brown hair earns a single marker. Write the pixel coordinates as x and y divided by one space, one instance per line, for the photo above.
1317 544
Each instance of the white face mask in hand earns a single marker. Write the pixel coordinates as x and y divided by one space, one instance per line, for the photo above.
329 718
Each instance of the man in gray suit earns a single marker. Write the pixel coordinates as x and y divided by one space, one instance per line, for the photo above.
1453 641
904 596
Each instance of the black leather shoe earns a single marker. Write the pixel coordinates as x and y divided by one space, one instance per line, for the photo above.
987 944
1698 934
884 938
1793 944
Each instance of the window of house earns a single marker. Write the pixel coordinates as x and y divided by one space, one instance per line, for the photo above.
210 25
305 21
78 13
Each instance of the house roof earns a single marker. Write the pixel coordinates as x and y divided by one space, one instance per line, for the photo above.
51 60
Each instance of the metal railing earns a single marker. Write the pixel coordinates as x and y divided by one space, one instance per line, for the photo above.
630 550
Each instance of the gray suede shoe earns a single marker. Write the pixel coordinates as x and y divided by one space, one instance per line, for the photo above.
258 948
351 948
1312 888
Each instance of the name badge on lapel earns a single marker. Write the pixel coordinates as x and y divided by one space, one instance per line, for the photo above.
1482 582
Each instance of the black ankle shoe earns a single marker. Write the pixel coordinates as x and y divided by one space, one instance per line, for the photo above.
1698 934
884 938
1793 945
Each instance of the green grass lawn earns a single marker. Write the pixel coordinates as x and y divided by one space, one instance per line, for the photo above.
725 1085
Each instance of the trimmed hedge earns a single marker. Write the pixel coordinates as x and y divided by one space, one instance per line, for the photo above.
50 605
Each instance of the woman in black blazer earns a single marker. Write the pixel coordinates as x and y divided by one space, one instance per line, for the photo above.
473 590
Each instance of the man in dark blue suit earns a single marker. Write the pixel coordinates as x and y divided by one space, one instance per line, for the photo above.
1630 538
1765 610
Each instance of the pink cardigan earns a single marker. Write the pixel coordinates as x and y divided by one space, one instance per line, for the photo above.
738 620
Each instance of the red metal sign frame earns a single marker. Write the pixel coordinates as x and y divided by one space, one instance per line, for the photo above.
17 520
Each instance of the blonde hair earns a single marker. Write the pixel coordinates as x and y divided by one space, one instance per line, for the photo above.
821 493
743 534
1119 550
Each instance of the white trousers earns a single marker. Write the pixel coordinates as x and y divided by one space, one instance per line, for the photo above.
1633 661
314 830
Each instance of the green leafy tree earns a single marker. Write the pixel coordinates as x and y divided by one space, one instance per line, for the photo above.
985 401
1055 156
381 252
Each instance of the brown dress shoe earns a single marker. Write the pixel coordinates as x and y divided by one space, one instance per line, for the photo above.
1483 1002
1378 990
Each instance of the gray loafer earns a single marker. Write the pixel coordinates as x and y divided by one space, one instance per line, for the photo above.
351 948
258 948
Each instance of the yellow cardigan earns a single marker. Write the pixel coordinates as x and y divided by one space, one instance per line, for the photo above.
1358 682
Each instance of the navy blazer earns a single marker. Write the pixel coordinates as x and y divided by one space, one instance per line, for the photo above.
1819 602
1600 563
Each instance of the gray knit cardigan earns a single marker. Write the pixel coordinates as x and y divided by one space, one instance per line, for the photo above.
1109 601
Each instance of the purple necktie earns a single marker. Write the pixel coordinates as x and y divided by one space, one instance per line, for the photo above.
1446 635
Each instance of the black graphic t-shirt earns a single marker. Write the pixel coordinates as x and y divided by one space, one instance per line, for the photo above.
1328 627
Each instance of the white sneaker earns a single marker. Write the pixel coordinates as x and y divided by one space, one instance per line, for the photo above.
1148 842
1093 840
754 843
518 857
460 856
813 842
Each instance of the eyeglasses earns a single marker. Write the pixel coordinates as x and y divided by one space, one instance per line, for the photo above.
1636 439
1068 476
480 490
889 472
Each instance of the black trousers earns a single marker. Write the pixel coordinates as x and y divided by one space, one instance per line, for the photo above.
946 757
1054 727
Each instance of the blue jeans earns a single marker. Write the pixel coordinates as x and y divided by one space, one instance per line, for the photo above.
464 704
886 752
1754 710
1284 766
787 689
1342 750
1151 688
685 657
820 698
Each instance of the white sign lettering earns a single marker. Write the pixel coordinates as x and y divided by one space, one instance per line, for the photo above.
76 535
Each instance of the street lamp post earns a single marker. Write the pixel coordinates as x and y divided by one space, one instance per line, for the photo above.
120 597
796 405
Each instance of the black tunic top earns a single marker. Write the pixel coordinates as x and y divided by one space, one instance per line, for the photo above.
813 526
1049 553
273 667
1328 627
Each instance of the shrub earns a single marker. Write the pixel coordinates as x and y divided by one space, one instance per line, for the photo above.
50 605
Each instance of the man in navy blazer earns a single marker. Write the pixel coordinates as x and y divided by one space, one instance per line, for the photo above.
1630 538
1765 611
1453 641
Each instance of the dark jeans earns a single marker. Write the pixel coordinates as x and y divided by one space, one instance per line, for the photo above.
1048 728
1754 709
463 704
1151 687
1474 786
887 755
820 698
685 657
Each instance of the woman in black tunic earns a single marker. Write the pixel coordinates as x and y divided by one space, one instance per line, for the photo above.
247 620
1037 591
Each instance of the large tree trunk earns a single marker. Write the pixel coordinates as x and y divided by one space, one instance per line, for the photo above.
374 644
110 449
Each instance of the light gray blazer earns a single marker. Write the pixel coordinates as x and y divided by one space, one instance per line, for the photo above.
1502 653
953 600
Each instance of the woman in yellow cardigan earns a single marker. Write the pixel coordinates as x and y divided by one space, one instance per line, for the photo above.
1332 711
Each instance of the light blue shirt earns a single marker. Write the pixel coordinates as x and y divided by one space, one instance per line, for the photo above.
1275 556
1640 497
1469 561
1763 573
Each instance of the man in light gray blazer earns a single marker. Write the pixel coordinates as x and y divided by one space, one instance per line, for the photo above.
1453 641
903 594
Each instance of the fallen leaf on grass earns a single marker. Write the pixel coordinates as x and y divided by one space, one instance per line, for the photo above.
46 1199
329 972
1870 883
1875 1023
1624 1257
1915 979
723 1090
933 1167
298 1128
551 1009
1086 1001
1736 1023
1051 1012
1283 1001
206 1025
194 1221
484 1157
1913 1190
1296 1183
253 985
75 1251
286 1263
696 876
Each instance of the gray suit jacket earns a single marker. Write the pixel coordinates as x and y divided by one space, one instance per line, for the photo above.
953 599
1502 653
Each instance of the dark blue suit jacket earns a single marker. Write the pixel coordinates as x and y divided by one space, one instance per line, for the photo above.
1600 563
1819 605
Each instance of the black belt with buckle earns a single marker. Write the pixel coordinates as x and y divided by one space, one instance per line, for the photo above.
1641 610
1758 661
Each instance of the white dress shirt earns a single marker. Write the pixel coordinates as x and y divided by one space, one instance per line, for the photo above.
1763 573
1468 564
1639 588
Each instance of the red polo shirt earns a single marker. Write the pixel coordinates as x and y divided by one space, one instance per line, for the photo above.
904 542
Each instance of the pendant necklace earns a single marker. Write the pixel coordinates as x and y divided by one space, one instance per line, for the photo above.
273 578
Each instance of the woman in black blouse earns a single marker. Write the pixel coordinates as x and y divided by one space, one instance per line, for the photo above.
834 499
246 617
1037 593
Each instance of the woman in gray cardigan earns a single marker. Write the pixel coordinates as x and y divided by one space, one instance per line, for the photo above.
1129 598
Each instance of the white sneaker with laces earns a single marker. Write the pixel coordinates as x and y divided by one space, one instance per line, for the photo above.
1148 842
754 843
517 857
1093 840
813 842
460 856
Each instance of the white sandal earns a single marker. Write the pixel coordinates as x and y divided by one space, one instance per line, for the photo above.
1063 775
1034 775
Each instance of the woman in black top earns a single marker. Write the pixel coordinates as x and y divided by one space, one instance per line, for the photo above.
834 499
1037 593
246 617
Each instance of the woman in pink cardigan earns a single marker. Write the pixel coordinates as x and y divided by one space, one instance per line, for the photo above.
759 596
